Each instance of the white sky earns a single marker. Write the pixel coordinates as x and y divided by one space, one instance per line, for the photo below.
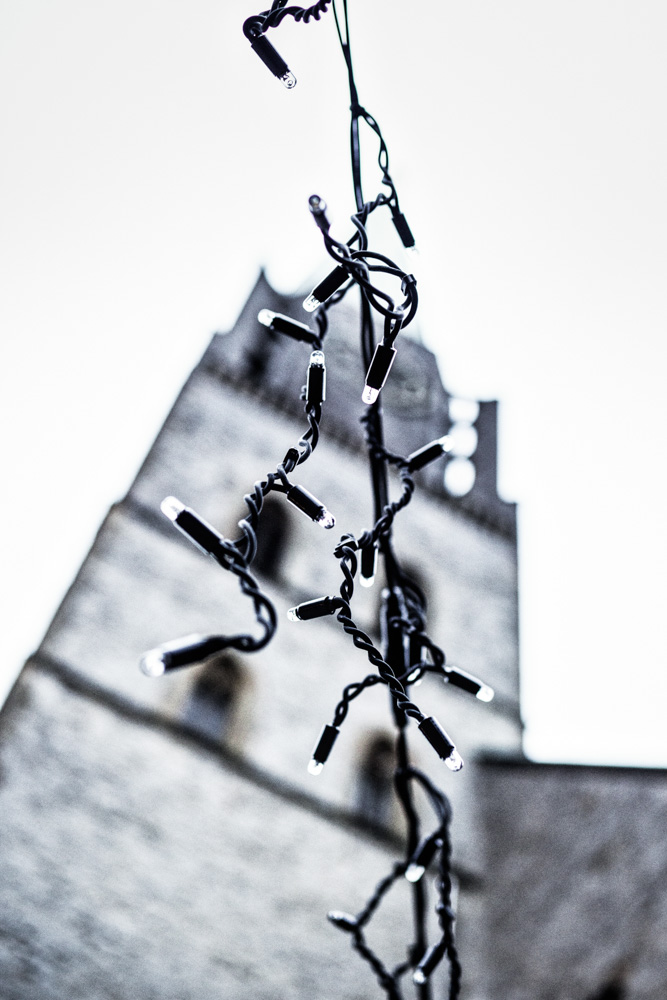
150 163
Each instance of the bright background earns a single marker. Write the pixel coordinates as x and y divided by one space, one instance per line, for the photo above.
150 164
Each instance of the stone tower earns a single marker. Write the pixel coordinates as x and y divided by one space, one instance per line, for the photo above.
161 837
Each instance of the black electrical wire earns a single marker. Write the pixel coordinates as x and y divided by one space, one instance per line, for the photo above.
407 651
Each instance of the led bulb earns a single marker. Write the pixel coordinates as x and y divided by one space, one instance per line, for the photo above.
310 506
323 747
455 761
311 303
429 453
414 677
277 323
316 379
266 52
152 663
403 230
196 530
317 608
172 507
326 519
368 568
345 921
429 963
441 743
414 872
318 207
467 682
180 653
377 373
422 858
326 288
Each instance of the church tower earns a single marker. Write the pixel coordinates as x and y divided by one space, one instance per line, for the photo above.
162 836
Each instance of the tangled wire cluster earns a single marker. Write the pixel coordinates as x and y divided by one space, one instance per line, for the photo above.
407 651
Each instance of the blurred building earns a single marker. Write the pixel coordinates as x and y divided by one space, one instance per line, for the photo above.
162 839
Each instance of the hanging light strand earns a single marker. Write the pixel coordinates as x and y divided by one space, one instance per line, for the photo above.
407 652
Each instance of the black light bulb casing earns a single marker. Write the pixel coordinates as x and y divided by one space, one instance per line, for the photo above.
468 682
180 653
277 323
441 743
318 208
344 921
368 564
326 288
324 745
403 229
422 858
291 459
429 453
310 506
393 632
270 57
323 748
464 681
196 530
317 608
429 963
415 649
316 379
377 373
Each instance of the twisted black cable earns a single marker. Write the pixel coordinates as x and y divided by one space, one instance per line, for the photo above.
351 692
348 565
404 794
355 925
247 544
390 980
260 23
358 264
357 112
361 265
446 917
385 978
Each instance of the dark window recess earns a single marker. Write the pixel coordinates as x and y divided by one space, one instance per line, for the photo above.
213 698
375 780
612 991
272 538
415 583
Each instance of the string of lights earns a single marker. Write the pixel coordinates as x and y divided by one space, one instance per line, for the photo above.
407 652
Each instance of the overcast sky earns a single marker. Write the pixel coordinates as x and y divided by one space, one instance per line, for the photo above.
150 164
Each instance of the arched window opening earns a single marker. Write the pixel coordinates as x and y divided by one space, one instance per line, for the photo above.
213 698
272 538
375 785
415 584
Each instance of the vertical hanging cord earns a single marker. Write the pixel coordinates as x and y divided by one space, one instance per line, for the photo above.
378 470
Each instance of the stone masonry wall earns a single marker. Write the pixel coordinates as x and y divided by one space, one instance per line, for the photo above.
136 863
576 869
